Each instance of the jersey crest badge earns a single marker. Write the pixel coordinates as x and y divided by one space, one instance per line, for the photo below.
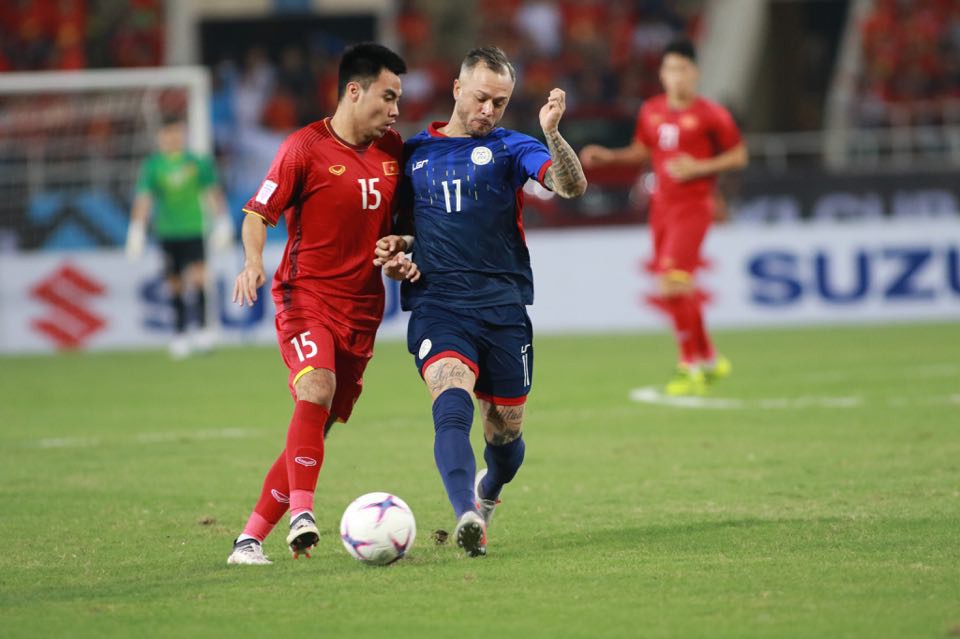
481 155
689 121
391 168
338 169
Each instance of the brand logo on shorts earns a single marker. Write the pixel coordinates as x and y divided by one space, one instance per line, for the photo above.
481 155
425 347
280 497
338 169
305 461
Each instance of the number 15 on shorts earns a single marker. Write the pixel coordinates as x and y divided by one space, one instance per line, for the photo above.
306 348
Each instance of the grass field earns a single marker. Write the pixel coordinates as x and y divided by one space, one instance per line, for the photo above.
816 493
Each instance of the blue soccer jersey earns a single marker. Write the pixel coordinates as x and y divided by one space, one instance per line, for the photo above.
465 196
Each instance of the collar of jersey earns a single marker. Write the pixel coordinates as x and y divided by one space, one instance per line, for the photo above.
333 134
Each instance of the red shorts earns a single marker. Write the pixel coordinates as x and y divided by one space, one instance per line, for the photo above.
678 233
310 343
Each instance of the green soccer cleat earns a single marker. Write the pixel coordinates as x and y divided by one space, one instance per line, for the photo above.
720 369
687 381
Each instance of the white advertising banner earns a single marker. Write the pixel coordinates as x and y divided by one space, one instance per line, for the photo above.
586 280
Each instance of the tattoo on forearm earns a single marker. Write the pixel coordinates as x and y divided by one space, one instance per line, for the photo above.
565 176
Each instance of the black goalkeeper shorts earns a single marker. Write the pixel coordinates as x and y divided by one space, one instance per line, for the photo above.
180 253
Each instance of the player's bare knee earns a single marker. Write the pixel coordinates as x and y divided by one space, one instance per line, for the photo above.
676 283
502 424
175 284
448 373
317 386
196 275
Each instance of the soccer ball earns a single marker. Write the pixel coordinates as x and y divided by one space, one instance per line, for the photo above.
378 528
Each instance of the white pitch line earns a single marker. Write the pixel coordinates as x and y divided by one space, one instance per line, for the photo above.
653 395
145 438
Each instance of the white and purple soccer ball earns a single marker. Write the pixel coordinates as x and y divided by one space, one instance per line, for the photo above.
378 528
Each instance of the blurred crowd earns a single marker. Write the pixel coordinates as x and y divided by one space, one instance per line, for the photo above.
911 70
604 54
43 35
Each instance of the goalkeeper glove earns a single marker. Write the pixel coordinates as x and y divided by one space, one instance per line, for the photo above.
221 236
136 239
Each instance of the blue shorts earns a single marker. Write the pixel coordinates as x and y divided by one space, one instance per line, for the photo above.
495 342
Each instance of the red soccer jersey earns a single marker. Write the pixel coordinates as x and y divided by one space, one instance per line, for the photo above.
702 130
338 199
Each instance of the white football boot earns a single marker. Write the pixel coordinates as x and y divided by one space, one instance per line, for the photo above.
248 552
485 506
303 535
471 534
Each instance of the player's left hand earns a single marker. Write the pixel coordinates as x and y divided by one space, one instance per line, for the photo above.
400 267
683 167
552 111
387 247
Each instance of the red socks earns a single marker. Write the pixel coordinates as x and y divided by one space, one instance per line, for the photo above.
274 497
704 345
304 453
684 311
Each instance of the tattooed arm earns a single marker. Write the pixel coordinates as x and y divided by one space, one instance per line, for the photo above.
565 176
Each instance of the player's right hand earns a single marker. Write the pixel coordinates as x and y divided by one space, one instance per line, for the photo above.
594 155
250 279
387 247
401 268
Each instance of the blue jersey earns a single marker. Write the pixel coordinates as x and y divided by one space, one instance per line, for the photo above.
465 196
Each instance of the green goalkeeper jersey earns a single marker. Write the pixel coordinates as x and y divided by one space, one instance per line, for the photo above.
176 184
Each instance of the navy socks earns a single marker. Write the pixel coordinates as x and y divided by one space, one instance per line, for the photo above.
452 418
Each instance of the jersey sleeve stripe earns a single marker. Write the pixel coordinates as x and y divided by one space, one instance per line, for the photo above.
265 220
543 171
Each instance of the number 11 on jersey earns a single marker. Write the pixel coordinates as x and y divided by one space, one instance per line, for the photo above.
446 195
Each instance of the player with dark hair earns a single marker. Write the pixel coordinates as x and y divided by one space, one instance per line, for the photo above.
689 140
469 331
335 181
176 186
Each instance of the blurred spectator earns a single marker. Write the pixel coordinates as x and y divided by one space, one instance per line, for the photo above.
911 53
40 35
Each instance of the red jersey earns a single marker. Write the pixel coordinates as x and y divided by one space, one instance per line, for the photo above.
702 130
338 199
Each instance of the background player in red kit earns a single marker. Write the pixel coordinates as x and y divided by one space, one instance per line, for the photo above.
689 140
335 180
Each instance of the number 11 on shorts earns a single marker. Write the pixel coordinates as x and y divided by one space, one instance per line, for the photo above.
526 366
308 345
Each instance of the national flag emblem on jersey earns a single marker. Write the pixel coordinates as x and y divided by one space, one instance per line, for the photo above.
391 168
338 169
689 121
481 155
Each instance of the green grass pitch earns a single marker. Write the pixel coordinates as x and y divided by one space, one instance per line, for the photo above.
816 493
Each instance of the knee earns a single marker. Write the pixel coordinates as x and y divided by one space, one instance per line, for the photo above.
317 386
503 424
453 409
